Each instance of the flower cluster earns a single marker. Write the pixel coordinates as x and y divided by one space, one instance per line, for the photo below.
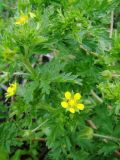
72 102
11 90
24 18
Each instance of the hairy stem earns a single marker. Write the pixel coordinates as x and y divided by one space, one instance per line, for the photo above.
111 24
39 126
96 96
115 139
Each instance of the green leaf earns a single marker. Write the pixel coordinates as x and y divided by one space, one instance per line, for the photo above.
3 154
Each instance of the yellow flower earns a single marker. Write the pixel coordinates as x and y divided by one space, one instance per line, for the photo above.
22 20
32 15
72 102
11 90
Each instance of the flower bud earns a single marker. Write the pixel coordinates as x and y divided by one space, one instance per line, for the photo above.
106 74
86 133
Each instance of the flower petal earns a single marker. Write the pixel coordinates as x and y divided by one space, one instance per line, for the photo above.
80 106
72 110
67 95
11 90
64 104
77 96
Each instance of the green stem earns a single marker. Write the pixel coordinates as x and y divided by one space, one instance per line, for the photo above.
30 69
96 96
39 126
115 139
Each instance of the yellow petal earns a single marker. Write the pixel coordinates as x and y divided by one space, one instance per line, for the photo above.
22 19
72 110
77 96
67 95
80 106
64 104
11 90
10 94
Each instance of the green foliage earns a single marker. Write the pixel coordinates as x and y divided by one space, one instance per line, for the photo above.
83 53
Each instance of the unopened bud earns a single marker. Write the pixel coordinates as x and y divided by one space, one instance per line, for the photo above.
107 74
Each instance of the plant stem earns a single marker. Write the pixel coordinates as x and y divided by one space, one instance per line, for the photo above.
115 139
111 24
29 67
33 139
91 124
96 96
39 126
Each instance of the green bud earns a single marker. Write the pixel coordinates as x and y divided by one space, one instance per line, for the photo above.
86 133
106 74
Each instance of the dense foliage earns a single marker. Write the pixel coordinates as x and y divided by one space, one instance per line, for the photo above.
48 47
